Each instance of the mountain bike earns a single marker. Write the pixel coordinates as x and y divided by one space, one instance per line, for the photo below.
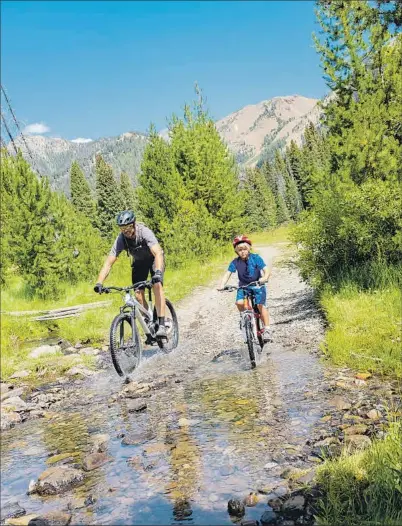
250 319
125 339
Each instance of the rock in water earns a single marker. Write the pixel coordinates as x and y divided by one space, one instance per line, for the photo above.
56 480
236 508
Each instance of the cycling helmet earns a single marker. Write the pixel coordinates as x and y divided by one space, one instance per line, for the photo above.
241 239
127 217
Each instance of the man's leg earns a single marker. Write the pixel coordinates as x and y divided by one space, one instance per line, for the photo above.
138 274
160 303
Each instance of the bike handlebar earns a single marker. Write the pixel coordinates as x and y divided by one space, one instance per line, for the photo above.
137 286
230 288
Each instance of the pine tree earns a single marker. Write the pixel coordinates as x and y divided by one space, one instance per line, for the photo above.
127 192
81 194
260 206
160 184
110 201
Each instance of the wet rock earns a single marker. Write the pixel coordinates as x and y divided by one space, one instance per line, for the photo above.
312 458
251 500
249 522
79 371
225 471
374 414
358 429
99 442
271 465
269 517
11 510
90 351
293 507
52 518
340 403
134 439
135 406
281 490
326 442
274 501
4 388
21 521
356 442
44 350
183 422
8 419
353 418
95 460
236 508
15 403
56 480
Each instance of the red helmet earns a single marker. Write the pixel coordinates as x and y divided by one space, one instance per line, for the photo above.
241 239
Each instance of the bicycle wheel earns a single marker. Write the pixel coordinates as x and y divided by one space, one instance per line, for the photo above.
125 344
250 341
260 328
172 328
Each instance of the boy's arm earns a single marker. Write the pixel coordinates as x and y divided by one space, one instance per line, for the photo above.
265 275
225 279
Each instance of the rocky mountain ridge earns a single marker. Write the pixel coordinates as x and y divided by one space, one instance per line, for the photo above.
252 133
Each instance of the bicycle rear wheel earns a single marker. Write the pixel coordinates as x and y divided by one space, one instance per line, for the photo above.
172 328
125 344
250 342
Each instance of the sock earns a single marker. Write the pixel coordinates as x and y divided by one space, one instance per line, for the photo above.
161 320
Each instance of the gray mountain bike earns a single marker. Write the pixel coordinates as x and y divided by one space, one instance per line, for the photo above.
126 328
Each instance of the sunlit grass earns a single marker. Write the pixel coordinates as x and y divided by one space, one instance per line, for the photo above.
365 487
364 329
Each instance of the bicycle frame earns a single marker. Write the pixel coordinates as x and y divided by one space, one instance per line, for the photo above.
250 310
130 302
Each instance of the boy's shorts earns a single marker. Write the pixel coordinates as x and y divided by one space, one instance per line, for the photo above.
260 294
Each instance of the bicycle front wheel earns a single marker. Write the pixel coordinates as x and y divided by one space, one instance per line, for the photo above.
250 341
125 344
172 328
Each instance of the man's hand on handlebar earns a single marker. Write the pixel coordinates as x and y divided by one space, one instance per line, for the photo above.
98 288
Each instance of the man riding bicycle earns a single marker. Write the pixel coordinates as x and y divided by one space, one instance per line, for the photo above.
140 242
250 268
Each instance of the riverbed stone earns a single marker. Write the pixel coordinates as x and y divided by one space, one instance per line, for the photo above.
11 510
15 403
269 517
134 439
8 419
100 442
51 518
293 507
356 442
13 392
236 508
21 521
56 480
44 350
358 429
136 405
340 403
95 460
374 414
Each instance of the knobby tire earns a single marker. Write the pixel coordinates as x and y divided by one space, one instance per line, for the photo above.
250 342
170 344
115 344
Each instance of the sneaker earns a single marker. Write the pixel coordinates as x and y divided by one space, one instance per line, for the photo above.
161 332
267 335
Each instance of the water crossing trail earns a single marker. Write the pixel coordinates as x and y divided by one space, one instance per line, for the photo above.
210 430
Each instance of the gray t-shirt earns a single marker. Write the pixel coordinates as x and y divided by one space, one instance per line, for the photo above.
138 247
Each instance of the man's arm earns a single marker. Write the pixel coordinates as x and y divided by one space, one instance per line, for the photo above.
225 279
157 252
103 274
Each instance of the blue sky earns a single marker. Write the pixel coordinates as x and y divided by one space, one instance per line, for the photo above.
100 68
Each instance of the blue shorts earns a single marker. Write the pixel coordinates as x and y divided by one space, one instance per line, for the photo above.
260 294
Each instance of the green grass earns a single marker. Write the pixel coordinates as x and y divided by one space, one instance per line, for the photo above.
365 487
364 329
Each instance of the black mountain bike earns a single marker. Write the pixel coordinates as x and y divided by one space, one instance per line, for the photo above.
251 321
125 335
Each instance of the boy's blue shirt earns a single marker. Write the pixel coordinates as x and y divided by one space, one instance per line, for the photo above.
249 270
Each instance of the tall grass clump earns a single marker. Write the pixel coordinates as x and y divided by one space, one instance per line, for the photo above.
366 487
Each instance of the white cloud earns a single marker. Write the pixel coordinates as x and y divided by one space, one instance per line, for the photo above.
81 140
37 127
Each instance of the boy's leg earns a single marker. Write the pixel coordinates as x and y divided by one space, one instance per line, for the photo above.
264 314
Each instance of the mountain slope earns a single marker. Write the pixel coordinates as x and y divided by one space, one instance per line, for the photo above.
255 130
53 156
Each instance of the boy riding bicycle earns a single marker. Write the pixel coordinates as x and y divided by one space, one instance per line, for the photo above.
250 268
